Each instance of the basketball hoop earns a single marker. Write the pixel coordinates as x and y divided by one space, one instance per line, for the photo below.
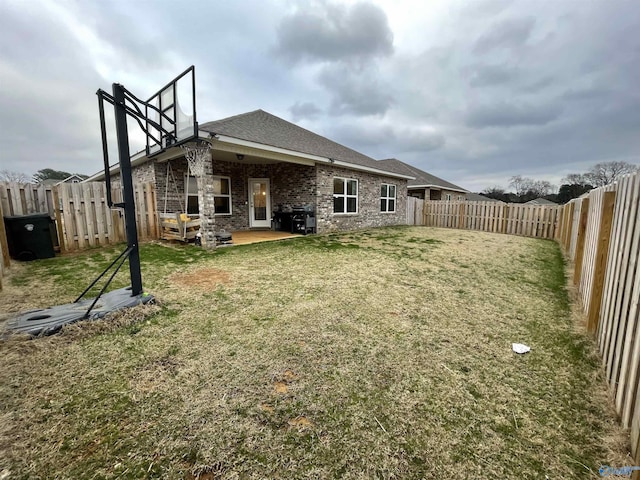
197 154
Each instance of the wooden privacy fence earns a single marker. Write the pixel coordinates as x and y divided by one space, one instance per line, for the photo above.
415 209
26 198
600 233
539 221
80 211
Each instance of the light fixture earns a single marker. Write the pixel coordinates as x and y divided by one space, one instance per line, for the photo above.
239 156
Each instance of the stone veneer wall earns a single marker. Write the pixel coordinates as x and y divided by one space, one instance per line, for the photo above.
369 214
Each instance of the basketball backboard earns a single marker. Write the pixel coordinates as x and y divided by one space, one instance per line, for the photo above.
173 109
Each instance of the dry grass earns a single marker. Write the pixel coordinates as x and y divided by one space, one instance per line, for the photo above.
377 354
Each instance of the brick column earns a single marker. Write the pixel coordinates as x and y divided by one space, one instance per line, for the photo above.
207 206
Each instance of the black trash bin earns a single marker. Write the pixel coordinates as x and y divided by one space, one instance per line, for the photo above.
30 237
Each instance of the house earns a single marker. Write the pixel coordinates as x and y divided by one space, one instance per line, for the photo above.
54 182
540 201
261 164
476 197
424 185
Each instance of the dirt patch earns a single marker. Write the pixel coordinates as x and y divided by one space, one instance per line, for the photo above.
204 278
289 376
280 387
300 422
265 407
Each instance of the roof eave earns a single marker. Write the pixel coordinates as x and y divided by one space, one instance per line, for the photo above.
439 186
306 156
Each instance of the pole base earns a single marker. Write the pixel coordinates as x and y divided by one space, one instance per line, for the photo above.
50 320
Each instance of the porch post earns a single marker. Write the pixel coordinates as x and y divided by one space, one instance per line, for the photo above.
207 206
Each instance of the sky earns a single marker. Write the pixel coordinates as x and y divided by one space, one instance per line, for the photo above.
474 92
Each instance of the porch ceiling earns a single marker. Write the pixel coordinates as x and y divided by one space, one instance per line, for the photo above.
229 152
227 156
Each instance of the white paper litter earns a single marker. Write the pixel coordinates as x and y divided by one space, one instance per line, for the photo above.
520 348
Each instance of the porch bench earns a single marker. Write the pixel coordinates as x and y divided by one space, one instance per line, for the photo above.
178 226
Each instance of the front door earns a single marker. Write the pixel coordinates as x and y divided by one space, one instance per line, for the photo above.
259 203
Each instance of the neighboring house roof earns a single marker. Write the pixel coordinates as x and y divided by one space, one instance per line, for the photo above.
540 201
49 181
71 178
422 178
56 181
476 197
262 127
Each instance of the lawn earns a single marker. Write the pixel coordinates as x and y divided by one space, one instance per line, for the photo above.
383 353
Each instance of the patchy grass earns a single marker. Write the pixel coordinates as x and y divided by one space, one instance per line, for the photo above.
384 353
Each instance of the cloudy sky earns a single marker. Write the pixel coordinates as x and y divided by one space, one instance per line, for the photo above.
472 91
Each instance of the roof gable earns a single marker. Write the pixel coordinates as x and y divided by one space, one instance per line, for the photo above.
263 127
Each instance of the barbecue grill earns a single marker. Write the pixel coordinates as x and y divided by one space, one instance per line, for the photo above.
303 220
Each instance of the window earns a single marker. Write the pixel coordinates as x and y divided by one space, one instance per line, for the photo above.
447 197
461 197
345 195
191 191
221 195
387 198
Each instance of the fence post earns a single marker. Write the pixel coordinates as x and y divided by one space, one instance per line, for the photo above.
425 214
558 235
4 245
59 226
565 224
566 238
5 262
602 252
582 230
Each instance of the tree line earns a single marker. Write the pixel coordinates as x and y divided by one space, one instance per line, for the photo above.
573 185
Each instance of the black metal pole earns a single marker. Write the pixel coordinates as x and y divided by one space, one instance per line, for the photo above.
127 187
105 148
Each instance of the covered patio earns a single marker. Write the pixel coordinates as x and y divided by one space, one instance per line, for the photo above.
244 237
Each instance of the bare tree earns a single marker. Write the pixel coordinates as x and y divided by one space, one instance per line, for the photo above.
496 192
605 173
12 176
520 184
543 187
528 188
576 179
493 190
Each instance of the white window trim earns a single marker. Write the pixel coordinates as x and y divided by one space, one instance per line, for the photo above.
447 197
387 198
345 196
225 195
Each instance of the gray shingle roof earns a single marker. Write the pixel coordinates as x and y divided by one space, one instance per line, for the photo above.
476 197
540 201
262 127
422 177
